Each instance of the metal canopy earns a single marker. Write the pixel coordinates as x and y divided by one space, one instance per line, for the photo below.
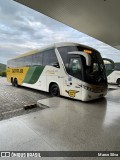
97 18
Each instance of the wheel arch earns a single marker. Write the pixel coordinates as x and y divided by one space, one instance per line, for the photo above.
16 81
51 83
11 79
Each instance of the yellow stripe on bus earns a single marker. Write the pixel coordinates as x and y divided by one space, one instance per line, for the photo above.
18 73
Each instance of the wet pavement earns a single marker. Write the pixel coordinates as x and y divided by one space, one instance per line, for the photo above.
66 125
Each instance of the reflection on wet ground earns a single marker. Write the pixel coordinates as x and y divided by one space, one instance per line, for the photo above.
67 125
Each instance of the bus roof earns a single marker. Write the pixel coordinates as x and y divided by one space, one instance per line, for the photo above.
55 45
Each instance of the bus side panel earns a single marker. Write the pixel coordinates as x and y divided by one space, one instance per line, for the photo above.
8 71
69 87
33 74
72 87
112 78
54 75
18 73
36 78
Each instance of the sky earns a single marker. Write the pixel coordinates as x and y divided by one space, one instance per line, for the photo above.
23 29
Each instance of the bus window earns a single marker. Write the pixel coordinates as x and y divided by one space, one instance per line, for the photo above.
64 52
49 57
75 68
37 59
28 60
117 66
95 67
94 73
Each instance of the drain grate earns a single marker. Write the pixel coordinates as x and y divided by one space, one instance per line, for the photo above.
31 106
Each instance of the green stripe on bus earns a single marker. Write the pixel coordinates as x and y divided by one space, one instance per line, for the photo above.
33 74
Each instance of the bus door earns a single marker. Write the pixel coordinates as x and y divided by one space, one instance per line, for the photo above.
73 81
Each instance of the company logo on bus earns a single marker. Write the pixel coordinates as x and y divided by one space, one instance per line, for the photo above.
72 93
17 70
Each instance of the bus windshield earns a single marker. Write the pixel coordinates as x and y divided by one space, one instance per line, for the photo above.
92 68
96 71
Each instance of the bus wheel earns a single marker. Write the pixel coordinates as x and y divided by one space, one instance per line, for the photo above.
54 90
118 81
15 82
12 81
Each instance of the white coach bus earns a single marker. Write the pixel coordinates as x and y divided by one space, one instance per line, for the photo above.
113 72
68 69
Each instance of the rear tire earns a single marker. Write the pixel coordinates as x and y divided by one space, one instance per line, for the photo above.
15 82
12 81
54 90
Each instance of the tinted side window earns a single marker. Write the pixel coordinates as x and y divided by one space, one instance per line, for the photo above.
43 58
12 63
37 59
49 57
19 62
64 52
15 63
28 60
117 66
108 66
8 63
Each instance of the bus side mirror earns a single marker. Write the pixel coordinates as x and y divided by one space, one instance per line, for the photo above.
109 62
56 64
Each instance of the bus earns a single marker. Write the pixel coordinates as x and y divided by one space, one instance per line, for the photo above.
113 72
67 69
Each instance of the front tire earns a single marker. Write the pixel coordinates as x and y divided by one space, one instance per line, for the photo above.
54 90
